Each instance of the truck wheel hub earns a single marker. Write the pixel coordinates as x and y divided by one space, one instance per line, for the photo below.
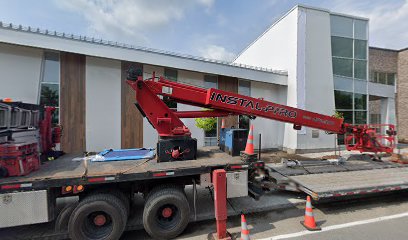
167 212
99 220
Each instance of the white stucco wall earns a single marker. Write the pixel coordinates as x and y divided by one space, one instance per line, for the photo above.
196 79
150 136
272 131
103 104
277 48
20 69
317 74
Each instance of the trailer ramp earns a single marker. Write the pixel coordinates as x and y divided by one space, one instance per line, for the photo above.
351 178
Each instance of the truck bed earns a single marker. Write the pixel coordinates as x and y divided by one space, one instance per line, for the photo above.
355 177
64 171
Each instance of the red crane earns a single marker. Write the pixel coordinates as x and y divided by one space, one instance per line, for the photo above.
175 138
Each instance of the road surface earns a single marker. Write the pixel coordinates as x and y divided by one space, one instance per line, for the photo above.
383 217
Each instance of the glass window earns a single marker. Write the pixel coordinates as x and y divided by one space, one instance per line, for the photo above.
391 78
360 86
343 67
244 87
360 29
360 69
341 26
49 94
360 101
360 117
210 81
170 74
342 83
375 118
382 78
342 47
348 116
372 76
343 100
49 86
360 49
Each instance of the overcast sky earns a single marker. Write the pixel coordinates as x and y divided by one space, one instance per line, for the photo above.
217 29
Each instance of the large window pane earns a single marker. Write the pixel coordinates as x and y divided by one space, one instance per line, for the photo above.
348 116
360 101
343 100
343 67
244 87
360 29
51 67
170 74
382 78
390 78
341 26
49 94
360 69
360 49
342 47
360 117
210 81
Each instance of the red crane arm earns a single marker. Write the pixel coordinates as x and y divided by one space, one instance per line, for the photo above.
222 103
168 123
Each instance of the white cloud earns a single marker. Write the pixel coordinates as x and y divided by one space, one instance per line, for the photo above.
207 3
216 52
129 19
388 20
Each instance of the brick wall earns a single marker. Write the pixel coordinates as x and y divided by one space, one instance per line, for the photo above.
402 95
383 60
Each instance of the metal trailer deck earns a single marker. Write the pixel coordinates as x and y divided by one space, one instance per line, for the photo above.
355 177
64 171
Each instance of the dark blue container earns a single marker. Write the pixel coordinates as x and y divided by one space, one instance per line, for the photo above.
235 141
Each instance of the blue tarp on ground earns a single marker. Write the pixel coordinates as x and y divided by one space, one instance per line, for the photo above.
124 154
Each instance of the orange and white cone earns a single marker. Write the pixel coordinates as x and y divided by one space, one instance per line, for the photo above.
244 228
222 123
309 222
249 148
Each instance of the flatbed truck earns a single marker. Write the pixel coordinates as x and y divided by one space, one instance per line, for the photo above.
106 189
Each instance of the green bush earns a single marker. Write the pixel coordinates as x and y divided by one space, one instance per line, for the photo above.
207 124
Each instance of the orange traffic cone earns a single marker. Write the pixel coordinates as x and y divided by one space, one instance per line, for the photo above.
309 222
249 148
222 123
244 228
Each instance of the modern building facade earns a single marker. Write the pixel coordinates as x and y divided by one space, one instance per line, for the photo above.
311 59
390 67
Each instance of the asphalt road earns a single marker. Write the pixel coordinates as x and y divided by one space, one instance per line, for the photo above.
383 217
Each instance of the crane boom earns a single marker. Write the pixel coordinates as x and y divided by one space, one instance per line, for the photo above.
222 103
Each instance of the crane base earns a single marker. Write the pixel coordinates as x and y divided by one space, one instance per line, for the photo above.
186 146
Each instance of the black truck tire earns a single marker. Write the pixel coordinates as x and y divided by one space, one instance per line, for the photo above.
117 193
61 223
98 216
166 212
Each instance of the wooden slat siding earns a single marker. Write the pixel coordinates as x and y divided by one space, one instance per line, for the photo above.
132 119
229 84
72 102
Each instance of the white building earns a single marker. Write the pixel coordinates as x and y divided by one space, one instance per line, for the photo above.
315 55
